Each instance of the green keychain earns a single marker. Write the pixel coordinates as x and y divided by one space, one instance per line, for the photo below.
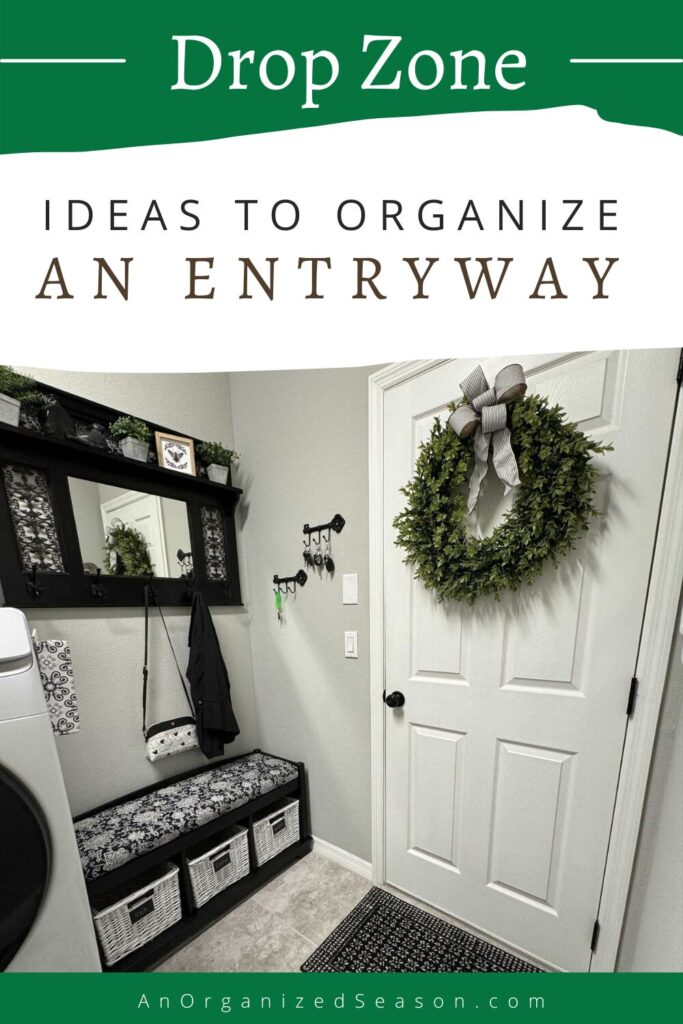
278 604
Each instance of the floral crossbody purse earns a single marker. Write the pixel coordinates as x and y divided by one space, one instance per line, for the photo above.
179 734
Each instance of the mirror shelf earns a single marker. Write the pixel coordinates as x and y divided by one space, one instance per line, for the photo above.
60 498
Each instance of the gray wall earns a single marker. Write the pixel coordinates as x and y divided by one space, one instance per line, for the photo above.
653 929
302 436
107 757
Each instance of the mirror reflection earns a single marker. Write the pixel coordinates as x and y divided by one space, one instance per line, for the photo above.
130 533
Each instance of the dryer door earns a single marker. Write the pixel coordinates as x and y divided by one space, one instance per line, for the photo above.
24 864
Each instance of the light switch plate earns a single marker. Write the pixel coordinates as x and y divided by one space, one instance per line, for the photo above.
350 588
351 644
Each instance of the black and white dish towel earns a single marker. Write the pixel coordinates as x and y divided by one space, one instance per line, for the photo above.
56 675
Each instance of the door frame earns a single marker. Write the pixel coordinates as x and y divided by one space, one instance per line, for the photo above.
656 641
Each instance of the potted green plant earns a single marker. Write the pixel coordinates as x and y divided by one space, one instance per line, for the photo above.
37 401
17 391
218 459
133 436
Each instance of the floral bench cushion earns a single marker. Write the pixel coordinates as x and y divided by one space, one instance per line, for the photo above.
110 838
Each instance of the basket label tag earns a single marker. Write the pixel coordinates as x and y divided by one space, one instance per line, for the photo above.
137 913
278 825
221 862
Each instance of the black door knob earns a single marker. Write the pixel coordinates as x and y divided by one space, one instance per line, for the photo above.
395 699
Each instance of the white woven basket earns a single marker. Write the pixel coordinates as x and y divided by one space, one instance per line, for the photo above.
151 904
277 831
216 864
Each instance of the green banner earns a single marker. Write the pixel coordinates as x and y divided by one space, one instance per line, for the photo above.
79 76
543 998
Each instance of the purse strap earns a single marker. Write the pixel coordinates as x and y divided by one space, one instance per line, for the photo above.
150 596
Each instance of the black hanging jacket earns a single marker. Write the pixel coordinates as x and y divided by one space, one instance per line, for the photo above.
209 683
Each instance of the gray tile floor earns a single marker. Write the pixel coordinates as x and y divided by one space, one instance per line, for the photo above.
278 927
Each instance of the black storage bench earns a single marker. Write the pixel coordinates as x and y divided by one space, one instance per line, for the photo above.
127 837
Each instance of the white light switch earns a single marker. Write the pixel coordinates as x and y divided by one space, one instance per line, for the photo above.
350 588
351 644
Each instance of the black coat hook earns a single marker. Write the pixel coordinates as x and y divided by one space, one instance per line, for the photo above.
32 587
97 589
190 587
185 563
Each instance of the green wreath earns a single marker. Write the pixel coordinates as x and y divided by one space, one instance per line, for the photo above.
553 507
127 552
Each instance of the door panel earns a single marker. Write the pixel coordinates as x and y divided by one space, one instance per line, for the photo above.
540 643
529 799
587 390
502 766
436 765
440 639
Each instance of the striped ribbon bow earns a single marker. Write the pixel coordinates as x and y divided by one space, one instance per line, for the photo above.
485 416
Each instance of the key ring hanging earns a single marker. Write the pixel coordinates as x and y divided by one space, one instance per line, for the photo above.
322 558
328 561
318 556
278 603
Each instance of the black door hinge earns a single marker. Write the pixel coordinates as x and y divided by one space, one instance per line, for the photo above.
679 375
632 694
595 936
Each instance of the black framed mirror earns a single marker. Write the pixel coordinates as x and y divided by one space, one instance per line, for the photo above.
130 533
84 525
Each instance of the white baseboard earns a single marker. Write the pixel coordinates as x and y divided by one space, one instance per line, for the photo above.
343 857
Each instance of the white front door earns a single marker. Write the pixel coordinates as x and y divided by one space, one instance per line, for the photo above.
502 766
143 511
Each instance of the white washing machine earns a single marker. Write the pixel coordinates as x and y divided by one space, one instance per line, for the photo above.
45 920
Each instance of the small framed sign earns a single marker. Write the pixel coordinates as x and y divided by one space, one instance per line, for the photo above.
177 453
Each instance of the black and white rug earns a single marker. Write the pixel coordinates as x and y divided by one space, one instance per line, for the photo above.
384 933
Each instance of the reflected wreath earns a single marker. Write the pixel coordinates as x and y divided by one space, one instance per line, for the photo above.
126 551
553 507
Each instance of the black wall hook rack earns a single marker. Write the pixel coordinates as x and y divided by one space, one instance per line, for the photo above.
337 523
300 578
